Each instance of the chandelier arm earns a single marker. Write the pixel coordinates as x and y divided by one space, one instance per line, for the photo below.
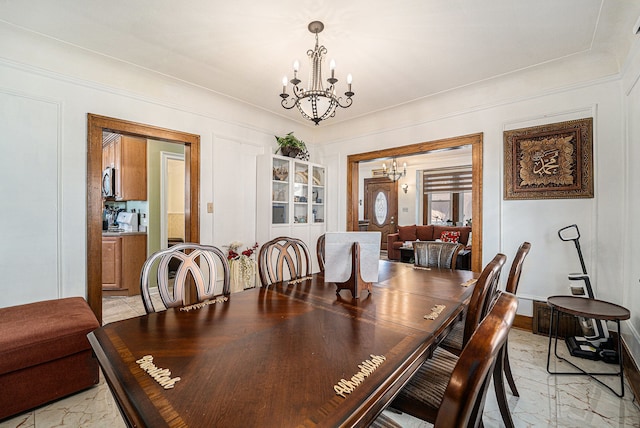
298 92
286 105
346 104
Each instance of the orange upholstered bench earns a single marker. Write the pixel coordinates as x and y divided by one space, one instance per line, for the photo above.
44 353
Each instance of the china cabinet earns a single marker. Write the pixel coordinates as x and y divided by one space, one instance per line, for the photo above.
296 203
297 192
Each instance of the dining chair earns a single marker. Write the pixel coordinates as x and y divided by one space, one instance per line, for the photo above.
480 302
205 265
512 287
479 305
320 251
450 390
283 259
429 254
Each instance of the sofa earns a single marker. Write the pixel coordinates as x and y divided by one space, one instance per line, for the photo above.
425 233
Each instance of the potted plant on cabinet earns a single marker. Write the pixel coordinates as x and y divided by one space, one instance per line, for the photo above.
292 147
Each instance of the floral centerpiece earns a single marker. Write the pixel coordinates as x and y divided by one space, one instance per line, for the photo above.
242 266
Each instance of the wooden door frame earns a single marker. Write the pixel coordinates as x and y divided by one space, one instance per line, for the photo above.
473 140
95 126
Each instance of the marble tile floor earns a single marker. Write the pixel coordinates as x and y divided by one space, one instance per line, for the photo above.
545 400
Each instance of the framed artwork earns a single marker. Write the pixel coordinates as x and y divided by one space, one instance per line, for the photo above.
552 161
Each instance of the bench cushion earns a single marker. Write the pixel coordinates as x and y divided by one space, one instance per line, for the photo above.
39 332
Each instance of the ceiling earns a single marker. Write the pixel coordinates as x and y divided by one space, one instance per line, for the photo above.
397 52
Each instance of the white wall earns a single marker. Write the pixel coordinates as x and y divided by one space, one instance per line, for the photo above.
508 223
630 244
46 91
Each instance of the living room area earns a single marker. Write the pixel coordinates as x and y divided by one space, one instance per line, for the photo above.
422 196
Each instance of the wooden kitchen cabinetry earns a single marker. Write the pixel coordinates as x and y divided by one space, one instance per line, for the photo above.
128 156
122 260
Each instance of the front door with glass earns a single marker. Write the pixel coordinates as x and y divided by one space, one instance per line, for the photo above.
381 206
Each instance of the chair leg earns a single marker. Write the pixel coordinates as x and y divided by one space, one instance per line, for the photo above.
501 395
508 374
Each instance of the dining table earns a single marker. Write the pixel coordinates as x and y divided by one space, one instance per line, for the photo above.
293 354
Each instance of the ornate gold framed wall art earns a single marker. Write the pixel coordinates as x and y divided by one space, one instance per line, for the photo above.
553 161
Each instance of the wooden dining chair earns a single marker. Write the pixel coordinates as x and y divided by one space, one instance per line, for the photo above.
449 390
429 254
480 302
479 305
283 259
205 265
320 251
512 287
418 403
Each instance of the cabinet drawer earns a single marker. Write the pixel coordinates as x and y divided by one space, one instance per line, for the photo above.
111 262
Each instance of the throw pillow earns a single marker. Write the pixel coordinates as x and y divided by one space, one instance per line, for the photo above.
450 236
469 241
407 233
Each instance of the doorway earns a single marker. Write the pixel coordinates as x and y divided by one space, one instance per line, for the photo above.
381 206
172 185
96 125
473 140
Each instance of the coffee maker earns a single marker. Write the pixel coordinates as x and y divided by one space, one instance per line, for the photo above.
128 222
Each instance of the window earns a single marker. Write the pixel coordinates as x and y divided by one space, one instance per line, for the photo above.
447 195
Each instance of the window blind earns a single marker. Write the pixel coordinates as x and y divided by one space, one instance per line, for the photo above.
447 180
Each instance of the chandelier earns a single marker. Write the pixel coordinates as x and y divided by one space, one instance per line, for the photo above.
394 174
315 102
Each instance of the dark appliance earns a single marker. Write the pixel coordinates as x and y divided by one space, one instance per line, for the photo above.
108 183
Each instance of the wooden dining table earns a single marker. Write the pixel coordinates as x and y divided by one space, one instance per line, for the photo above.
281 356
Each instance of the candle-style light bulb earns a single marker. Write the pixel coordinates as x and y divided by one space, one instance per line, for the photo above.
332 67
349 79
284 84
296 65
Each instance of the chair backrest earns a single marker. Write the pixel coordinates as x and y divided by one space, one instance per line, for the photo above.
483 296
283 259
436 254
516 267
464 398
206 264
320 252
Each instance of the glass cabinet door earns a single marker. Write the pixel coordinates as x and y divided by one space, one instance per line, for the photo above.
280 192
301 193
317 195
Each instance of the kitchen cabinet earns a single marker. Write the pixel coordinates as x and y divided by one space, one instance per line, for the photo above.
128 156
122 258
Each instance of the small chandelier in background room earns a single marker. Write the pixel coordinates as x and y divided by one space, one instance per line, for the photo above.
315 102
394 174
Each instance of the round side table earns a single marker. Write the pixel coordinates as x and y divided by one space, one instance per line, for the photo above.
587 308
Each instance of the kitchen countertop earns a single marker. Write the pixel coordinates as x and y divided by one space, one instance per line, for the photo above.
107 233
